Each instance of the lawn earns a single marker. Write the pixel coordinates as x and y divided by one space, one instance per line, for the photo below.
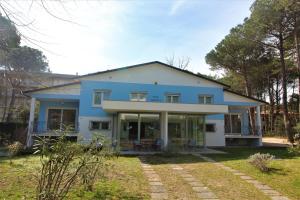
284 175
124 180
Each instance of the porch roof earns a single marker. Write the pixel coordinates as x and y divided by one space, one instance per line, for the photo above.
137 106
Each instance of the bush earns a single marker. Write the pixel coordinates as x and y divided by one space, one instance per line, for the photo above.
15 148
261 161
295 149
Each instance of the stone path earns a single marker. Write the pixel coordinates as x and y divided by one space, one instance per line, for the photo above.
268 191
200 189
158 191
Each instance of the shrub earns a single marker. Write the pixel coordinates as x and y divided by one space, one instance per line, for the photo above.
15 148
261 161
295 149
63 163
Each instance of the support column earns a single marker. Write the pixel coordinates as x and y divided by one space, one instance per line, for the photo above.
30 123
164 128
139 127
258 124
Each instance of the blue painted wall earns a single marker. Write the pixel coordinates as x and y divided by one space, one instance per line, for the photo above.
156 93
122 91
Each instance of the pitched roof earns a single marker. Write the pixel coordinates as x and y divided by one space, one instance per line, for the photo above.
155 62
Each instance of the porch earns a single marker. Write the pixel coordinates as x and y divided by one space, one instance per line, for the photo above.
147 126
55 116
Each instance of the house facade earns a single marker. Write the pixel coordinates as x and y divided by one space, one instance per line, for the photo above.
146 104
29 81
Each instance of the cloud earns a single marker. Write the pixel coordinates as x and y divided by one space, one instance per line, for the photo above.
175 6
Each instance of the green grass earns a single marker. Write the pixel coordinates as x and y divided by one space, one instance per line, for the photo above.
285 169
124 180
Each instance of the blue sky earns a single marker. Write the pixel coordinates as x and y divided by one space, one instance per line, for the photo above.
110 34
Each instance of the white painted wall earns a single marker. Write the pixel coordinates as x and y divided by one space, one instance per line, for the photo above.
149 74
215 138
228 96
68 90
84 131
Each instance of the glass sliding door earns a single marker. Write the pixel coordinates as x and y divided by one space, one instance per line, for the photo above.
150 127
128 130
233 124
186 130
195 130
61 119
141 129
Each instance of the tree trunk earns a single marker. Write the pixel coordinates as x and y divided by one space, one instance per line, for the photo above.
287 124
11 105
297 47
249 93
272 104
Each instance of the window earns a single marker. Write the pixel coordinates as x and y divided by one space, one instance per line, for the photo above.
172 98
210 128
99 96
138 96
99 125
205 99
61 119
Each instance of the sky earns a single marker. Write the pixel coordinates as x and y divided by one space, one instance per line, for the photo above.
98 35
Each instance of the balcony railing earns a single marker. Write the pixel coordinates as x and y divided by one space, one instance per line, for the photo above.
243 131
42 127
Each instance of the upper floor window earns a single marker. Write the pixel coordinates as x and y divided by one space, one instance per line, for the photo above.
172 98
138 96
99 96
205 99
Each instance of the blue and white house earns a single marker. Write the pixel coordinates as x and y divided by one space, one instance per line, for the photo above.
146 105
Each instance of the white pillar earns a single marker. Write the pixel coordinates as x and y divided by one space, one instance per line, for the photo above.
258 124
30 123
164 128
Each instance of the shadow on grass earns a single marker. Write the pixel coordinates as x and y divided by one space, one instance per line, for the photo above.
278 171
110 190
232 153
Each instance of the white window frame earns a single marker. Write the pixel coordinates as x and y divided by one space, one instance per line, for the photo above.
100 125
102 97
138 96
205 100
172 95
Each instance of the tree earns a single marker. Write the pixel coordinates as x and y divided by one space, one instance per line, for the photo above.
239 57
271 27
17 62
182 62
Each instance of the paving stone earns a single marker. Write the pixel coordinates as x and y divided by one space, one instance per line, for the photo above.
271 192
196 183
153 179
190 179
159 196
279 198
246 177
262 187
155 183
254 182
186 175
201 189
239 174
207 195
157 188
